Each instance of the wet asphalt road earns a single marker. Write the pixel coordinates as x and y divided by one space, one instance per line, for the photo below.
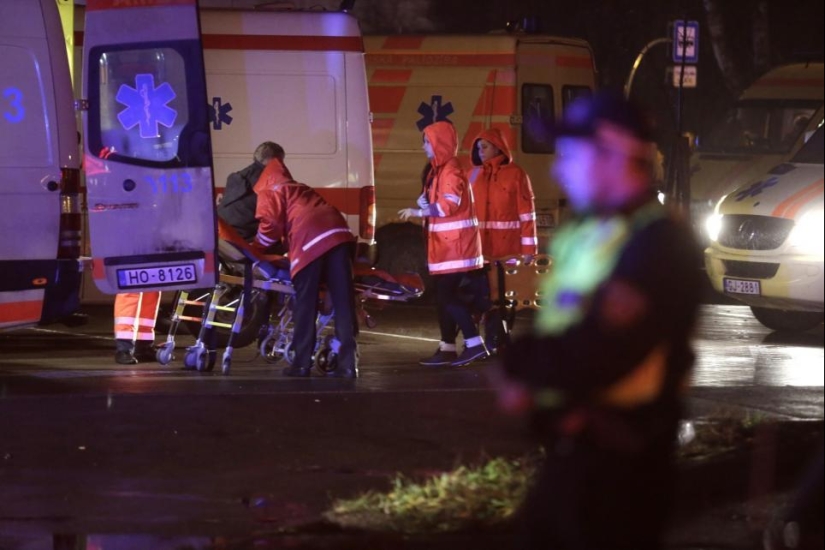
90 447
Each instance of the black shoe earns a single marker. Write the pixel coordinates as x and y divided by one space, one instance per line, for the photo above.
475 353
343 373
123 357
296 371
145 353
440 358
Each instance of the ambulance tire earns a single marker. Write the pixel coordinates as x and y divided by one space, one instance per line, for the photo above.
787 321
256 316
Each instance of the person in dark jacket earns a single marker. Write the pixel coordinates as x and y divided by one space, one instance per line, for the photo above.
603 373
237 207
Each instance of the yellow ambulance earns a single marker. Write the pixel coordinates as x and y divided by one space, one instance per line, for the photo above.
510 81
767 242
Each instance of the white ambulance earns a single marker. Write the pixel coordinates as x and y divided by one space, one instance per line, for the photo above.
767 240
39 168
147 164
296 78
510 81
766 126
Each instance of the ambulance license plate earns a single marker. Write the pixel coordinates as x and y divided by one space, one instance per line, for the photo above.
740 286
182 274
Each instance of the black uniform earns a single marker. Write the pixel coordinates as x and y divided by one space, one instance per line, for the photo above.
607 363
239 201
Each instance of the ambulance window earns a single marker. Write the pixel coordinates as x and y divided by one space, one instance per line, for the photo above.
537 111
569 94
813 152
24 140
144 114
761 126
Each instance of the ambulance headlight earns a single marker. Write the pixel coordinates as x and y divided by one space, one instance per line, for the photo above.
713 225
808 233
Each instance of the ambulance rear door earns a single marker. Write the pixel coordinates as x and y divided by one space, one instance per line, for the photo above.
147 146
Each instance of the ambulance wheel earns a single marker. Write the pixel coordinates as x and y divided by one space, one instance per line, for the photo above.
164 355
226 364
787 321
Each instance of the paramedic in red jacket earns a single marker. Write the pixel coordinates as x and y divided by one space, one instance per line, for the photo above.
504 200
320 251
505 206
453 245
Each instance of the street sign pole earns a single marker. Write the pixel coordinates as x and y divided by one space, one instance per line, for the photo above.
685 50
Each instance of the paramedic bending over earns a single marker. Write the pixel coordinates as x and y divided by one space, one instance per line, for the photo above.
320 251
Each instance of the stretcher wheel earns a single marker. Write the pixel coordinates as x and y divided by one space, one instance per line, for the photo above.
226 364
190 360
370 321
205 360
289 353
326 360
268 349
164 354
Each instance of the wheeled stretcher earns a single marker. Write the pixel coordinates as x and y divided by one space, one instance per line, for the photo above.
515 284
266 278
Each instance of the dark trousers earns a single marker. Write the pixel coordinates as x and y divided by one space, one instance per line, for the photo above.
454 302
335 269
587 498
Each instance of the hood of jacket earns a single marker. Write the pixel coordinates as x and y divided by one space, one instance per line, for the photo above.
275 173
494 136
443 138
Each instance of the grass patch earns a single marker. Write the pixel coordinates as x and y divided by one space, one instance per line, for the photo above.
463 498
488 495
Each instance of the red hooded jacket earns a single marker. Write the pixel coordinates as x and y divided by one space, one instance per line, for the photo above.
453 243
295 213
505 203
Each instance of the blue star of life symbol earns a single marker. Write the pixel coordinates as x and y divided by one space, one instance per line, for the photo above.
756 188
219 113
146 105
434 111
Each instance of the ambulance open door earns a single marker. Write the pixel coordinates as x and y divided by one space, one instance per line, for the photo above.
147 151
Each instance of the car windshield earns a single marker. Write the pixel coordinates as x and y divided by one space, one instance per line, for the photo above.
813 152
759 127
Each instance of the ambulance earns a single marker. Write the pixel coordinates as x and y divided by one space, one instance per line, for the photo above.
40 262
149 183
767 239
294 77
515 82
766 126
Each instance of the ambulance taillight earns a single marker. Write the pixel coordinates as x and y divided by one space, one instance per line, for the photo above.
367 213
70 219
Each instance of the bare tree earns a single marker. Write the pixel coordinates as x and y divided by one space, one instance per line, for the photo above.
739 70
401 17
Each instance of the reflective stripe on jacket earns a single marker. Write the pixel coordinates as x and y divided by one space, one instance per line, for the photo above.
295 213
505 203
453 243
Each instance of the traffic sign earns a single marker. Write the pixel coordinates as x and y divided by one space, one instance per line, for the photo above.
689 80
685 41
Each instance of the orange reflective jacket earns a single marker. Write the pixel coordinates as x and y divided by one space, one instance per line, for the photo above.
504 201
453 243
297 214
